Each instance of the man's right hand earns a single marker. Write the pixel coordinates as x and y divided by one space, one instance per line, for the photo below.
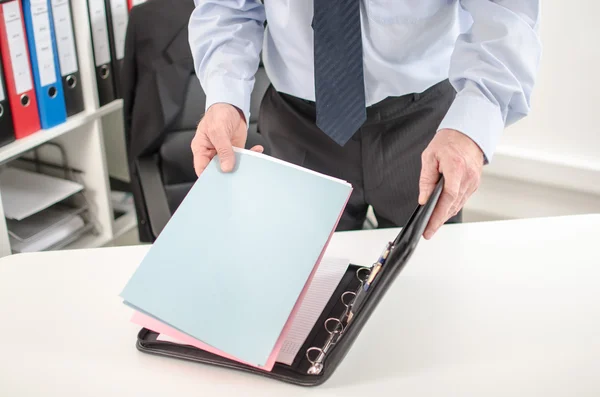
222 127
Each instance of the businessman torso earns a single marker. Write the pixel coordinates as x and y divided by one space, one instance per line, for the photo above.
407 45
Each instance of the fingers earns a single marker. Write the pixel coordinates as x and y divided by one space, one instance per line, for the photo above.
224 149
202 151
461 162
221 128
463 186
205 148
451 195
202 161
429 176
471 183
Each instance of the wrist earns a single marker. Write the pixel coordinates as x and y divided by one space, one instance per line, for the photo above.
468 145
227 108
226 90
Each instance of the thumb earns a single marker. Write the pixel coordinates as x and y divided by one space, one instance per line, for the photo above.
224 149
429 176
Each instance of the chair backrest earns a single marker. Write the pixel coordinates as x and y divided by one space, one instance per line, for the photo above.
159 128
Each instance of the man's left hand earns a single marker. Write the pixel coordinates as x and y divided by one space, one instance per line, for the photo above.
460 160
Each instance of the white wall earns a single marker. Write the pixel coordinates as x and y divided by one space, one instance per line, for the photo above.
564 120
549 163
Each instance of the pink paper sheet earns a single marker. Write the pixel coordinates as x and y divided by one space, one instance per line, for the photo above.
161 328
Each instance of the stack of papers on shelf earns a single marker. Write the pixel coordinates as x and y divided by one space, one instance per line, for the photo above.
37 217
46 229
238 270
25 193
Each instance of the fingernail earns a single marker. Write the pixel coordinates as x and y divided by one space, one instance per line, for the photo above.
226 167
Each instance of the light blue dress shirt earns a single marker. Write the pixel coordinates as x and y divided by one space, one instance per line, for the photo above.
488 49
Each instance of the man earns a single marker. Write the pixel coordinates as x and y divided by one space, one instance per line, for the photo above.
386 94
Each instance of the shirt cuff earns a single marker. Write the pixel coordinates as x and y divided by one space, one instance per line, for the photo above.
477 118
224 89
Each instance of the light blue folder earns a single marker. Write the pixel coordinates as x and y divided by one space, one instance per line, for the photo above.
231 263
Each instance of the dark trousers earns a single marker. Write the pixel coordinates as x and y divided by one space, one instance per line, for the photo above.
382 161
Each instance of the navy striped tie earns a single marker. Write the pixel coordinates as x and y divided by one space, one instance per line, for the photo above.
339 80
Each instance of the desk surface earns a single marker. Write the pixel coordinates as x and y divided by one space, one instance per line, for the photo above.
486 309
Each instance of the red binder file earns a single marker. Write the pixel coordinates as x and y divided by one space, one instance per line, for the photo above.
132 3
7 130
19 81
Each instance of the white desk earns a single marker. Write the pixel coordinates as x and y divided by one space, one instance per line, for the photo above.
492 309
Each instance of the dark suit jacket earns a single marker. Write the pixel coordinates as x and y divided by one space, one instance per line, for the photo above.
155 75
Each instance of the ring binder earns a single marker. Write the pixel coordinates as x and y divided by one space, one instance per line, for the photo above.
334 335
344 294
62 18
340 323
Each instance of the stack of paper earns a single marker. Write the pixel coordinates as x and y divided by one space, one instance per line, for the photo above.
37 218
326 279
25 193
46 229
239 261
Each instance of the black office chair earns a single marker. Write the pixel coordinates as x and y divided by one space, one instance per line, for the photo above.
165 177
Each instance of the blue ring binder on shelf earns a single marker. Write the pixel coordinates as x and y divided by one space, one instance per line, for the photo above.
341 321
44 62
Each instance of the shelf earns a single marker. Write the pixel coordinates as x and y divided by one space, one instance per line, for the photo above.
124 223
93 141
109 108
23 145
88 241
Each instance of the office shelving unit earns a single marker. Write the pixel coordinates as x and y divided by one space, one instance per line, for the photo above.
83 139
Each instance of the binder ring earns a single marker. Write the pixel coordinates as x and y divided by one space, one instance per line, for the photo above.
52 91
104 72
25 101
71 81
311 349
1 110
367 270
337 326
347 304
317 364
